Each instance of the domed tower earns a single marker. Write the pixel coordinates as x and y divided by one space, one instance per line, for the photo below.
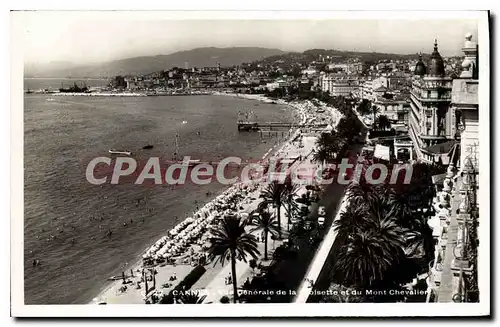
436 63
420 68
431 123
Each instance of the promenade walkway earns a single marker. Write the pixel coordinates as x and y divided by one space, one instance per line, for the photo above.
217 287
319 259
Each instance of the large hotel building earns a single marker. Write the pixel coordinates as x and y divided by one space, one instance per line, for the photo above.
432 123
443 110
445 117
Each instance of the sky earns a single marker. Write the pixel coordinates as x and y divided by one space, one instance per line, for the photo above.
97 37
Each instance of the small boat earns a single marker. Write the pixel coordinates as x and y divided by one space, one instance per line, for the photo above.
115 278
147 147
120 152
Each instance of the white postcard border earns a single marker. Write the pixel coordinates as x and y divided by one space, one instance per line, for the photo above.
19 309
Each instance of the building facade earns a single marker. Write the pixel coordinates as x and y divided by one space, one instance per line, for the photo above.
465 102
397 110
432 123
338 86
453 272
367 89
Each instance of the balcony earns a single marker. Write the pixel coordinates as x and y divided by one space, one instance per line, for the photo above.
435 272
432 83
415 110
433 96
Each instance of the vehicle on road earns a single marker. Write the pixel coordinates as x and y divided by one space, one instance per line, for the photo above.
321 211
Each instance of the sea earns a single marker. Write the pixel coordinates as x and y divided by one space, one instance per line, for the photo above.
66 218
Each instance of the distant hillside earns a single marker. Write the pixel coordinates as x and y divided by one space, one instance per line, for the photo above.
336 56
200 57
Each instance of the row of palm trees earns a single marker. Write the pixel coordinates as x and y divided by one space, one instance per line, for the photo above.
384 239
280 194
330 145
233 241
384 242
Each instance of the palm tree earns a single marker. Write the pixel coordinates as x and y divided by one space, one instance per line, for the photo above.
330 142
389 233
351 221
347 128
364 107
275 193
368 255
324 140
386 241
291 206
322 155
375 110
191 298
363 194
268 224
383 122
372 214
230 241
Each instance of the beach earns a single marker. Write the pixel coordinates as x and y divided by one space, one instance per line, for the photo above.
185 242
66 219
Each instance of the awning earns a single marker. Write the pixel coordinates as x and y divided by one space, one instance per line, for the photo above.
382 152
441 148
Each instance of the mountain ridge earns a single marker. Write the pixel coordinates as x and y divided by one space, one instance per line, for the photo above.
198 57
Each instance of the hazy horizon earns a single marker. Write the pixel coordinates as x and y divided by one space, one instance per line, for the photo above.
86 38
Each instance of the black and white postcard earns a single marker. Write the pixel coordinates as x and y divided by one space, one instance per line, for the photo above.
201 164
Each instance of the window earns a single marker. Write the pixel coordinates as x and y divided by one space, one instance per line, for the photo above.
428 127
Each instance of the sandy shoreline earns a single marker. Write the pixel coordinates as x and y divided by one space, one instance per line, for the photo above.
111 290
